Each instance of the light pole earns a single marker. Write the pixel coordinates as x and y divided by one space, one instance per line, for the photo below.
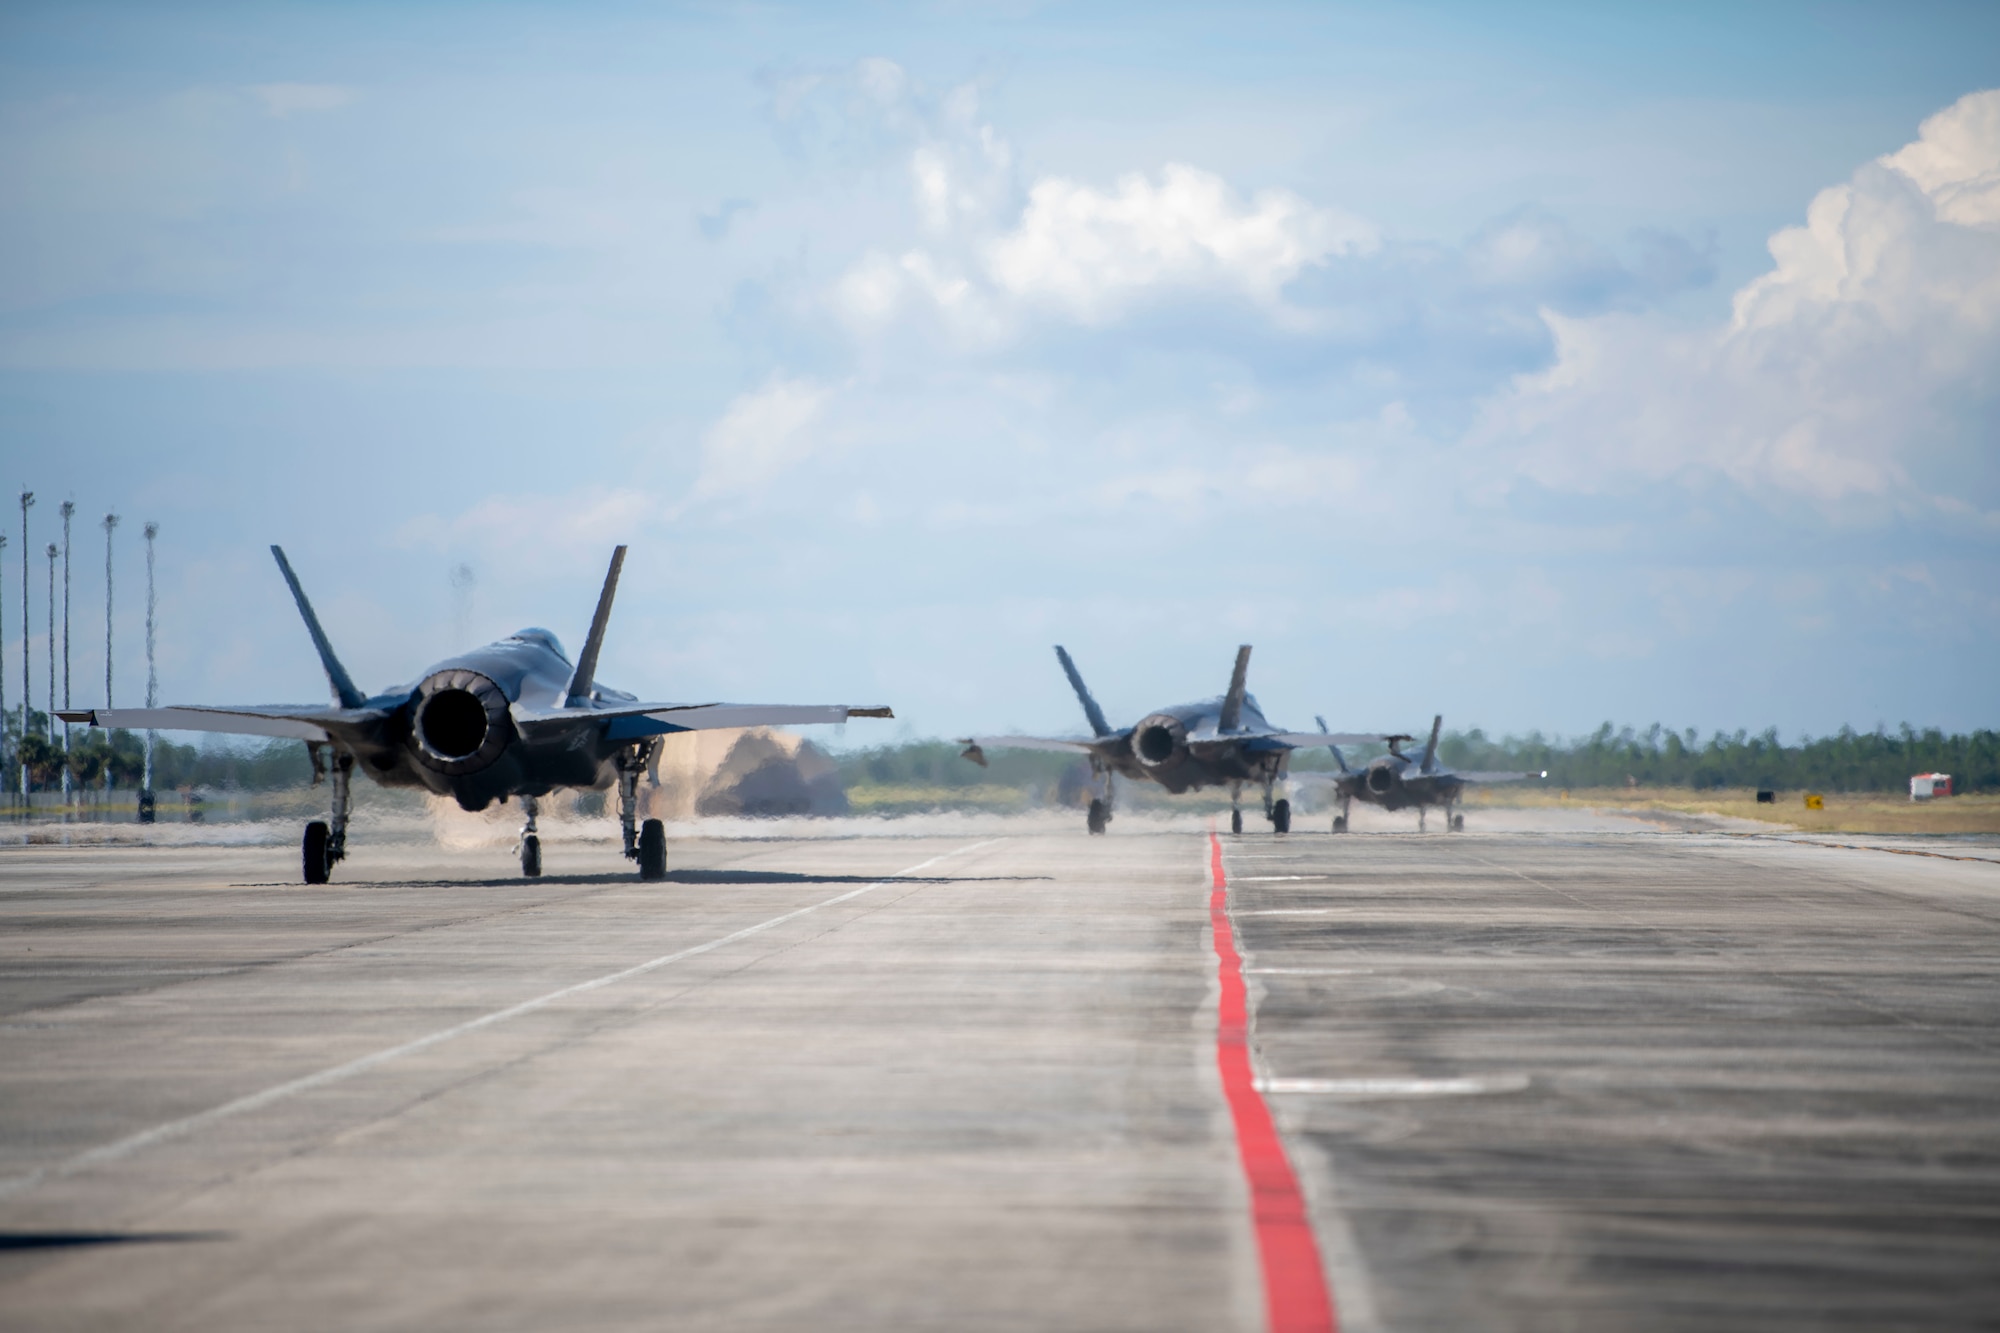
110 522
68 512
3 680
52 644
27 658
152 676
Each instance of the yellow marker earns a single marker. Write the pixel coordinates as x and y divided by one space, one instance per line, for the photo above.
1814 801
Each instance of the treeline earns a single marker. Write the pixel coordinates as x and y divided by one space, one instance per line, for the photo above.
1847 761
95 754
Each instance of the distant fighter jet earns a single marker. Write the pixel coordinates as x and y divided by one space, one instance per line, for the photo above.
1183 748
515 718
1395 781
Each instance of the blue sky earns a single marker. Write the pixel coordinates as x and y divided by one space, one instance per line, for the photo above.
1539 367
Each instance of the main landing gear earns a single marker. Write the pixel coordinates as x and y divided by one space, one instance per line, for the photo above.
1099 817
1279 812
645 843
1340 820
531 841
326 840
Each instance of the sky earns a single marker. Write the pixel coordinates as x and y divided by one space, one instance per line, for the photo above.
1538 365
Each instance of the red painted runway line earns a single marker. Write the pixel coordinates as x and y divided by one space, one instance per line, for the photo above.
1295 1295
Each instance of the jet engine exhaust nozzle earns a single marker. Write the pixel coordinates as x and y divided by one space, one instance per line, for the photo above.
1380 779
1160 740
461 722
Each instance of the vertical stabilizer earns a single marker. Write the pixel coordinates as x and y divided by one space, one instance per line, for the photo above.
344 692
585 676
1232 702
1431 750
1098 726
1338 757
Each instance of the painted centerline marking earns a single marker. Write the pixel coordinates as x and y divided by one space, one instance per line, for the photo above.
174 1129
1296 1299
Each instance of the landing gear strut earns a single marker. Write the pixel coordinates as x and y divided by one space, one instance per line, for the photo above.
326 840
1279 812
1100 805
646 844
1340 820
1235 807
531 842
1456 823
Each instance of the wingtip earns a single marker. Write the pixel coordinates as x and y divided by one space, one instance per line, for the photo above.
880 711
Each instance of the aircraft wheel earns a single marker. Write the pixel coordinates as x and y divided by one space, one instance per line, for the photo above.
313 852
1340 823
1235 821
1098 817
531 856
1281 817
652 850
1458 823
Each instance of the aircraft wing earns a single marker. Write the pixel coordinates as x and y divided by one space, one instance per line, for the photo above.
1498 777
631 721
976 746
304 722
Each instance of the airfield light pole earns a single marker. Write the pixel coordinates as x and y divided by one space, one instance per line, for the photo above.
52 644
27 631
68 512
3 680
110 522
152 676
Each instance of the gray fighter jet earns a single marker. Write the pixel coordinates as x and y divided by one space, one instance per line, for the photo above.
1184 748
513 719
1396 781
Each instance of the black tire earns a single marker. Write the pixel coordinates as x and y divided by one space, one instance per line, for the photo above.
1098 817
652 850
1281 817
531 856
313 852
1235 821
1340 823
1458 823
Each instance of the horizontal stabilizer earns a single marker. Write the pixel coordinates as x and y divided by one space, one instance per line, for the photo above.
304 722
1307 739
983 743
1499 777
631 721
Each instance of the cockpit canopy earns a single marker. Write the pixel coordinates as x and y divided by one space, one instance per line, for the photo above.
540 637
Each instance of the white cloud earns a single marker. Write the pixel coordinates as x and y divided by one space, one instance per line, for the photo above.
1089 251
290 99
762 434
1864 353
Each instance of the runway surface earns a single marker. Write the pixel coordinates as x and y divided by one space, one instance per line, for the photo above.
1555 1080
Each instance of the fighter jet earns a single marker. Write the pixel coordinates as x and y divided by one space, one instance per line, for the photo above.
1184 748
515 719
1396 781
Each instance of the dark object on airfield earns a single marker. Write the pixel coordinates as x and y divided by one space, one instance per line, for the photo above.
512 719
1767 798
1397 781
1187 747
147 812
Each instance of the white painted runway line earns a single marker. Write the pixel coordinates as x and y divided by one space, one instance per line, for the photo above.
172 1129
1310 971
1395 1087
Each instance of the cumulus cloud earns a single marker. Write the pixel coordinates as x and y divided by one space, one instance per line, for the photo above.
1866 351
762 433
1089 251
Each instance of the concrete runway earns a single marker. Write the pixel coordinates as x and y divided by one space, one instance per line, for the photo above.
1580 1080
